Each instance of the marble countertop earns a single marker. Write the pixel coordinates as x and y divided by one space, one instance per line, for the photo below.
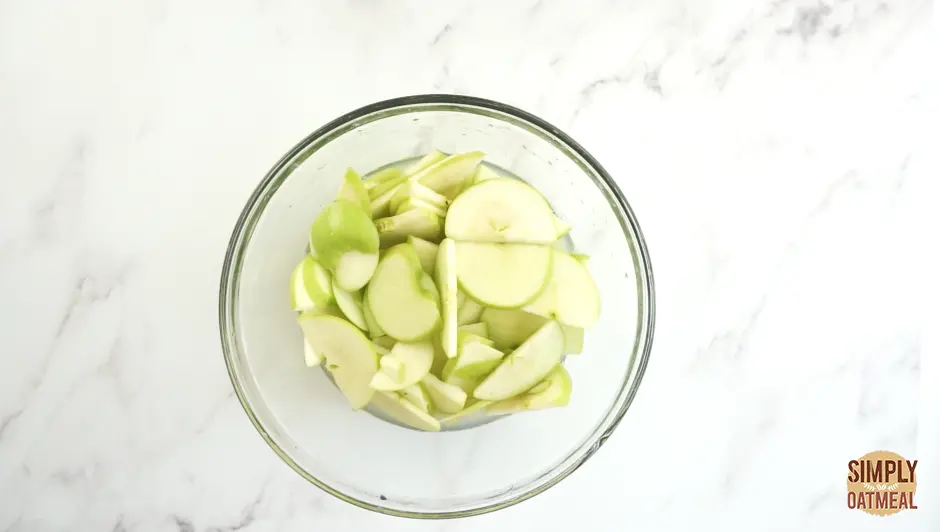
774 152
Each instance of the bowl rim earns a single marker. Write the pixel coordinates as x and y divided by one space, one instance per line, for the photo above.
643 269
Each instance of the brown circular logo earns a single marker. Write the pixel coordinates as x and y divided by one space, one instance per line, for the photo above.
881 483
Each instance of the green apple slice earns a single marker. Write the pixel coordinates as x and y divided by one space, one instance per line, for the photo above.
352 190
393 367
571 297
411 204
476 360
472 408
580 257
574 339
310 285
347 243
390 185
484 173
469 311
400 304
479 329
380 206
371 325
349 355
464 337
426 161
526 366
501 210
446 273
405 412
447 176
427 253
414 190
385 342
416 358
510 328
385 175
554 390
351 305
380 349
396 229
446 398
311 357
465 384
502 275
562 228
417 395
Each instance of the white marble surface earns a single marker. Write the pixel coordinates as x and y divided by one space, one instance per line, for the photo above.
774 151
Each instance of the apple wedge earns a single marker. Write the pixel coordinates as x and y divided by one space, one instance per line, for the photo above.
350 356
412 189
351 305
469 311
400 303
479 329
416 357
509 328
371 325
447 176
476 407
554 390
311 285
475 361
417 222
446 273
385 175
347 243
502 275
417 395
427 253
501 210
562 228
311 357
404 411
392 367
570 297
385 342
353 191
446 398
380 205
426 161
526 366
411 204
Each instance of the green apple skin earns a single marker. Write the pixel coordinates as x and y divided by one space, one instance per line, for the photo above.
351 305
353 190
371 325
346 243
311 285
426 251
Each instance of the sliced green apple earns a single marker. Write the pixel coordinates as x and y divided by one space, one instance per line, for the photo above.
380 206
404 411
392 367
475 407
446 273
426 161
401 306
387 186
502 275
447 176
501 210
562 228
311 357
479 328
351 305
417 395
445 397
509 328
416 357
354 191
427 253
476 360
371 325
411 204
469 311
347 243
386 342
580 257
310 285
465 384
385 175
554 390
574 339
484 173
412 189
380 349
570 297
417 222
350 356
466 337
526 366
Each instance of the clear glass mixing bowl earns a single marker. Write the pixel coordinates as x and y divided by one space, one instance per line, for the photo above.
375 464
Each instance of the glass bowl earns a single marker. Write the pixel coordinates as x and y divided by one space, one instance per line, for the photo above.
381 466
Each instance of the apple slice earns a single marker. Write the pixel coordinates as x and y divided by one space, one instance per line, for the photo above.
387 186
404 411
446 398
392 367
478 329
347 243
446 273
447 176
580 257
371 325
484 173
562 228
352 190
311 357
380 350
526 366
311 285
427 253
416 358
417 222
509 328
465 384
385 342
469 311
380 205
411 204
349 355
574 339
400 303
476 360
554 390
426 161
414 190
472 408
351 305
502 275
571 297
417 395
465 337
385 175
501 210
